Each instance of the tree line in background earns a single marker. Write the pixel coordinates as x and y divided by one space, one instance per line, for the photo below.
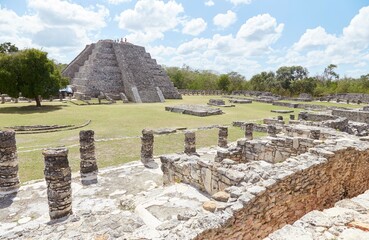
286 81
28 72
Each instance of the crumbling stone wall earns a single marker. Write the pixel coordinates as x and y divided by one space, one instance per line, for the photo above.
352 115
341 174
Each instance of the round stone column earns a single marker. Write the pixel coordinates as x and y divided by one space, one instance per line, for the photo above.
147 147
272 131
58 179
9 180
88 164
222 137
249 131
190 143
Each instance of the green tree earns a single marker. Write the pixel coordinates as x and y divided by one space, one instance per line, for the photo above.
287 75
7 47
329 72
31 73
223 82
264 81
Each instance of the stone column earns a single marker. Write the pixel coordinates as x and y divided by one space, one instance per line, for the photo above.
88 165
314 134
272 131
280 118
9 180
2 98
222 137
292 117
147 147
249 129
58 179
190 143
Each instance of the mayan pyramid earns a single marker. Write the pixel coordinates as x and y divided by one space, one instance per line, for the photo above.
115 67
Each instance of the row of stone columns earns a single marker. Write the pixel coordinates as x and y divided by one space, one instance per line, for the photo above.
57 171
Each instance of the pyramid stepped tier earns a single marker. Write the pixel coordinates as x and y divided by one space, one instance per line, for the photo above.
113 68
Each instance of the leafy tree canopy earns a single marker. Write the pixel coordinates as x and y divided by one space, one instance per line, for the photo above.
7 47
31 73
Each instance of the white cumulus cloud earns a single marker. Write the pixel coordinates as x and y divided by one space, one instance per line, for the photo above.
237 2
317 48
116 2
225 20
209 3
194 27
150 19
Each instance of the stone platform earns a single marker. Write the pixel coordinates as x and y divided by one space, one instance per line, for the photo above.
282 111
128 202
196 110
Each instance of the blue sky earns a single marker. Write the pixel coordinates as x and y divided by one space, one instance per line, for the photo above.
247 36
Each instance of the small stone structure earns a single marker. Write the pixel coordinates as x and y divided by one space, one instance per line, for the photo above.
240 101
222 137
114 68
9 180
282 111
272 131
88 165
190 143
249 128
196 110
147 147
292 117
216 102
58 179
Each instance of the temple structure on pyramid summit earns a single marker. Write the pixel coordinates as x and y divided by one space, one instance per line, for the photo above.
122 70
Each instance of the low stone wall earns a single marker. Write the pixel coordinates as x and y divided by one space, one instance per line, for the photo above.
200 92
286 104
316 117
352 115
264 209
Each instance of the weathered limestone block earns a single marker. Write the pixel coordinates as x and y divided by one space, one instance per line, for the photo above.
249 128
58 179
190 143
222 137
272 131
2 98
88 165
147 147
280 118
314 134
292 117
9 180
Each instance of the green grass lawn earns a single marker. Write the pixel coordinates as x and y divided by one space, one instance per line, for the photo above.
117 127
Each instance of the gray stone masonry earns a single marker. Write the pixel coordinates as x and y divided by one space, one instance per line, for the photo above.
147 147
292 117
115 68
9 181
2 99
272 131
58 179
222 137
249 128
315 134
190 143
88 165
280 118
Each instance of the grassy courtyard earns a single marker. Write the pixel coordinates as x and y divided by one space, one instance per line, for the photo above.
117 129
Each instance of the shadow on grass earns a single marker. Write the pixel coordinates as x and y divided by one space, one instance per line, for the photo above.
31 109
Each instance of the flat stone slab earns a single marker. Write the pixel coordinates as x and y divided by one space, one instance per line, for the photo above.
282 111
241 101
196 110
